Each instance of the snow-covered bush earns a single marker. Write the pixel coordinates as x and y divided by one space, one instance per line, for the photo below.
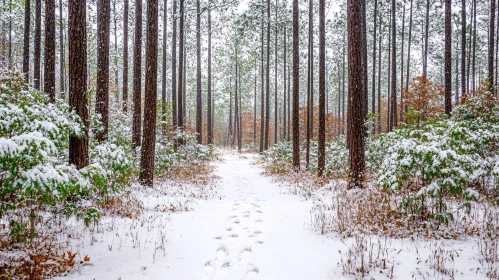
165 157
444 158
110 170
280 155
34 145
336 156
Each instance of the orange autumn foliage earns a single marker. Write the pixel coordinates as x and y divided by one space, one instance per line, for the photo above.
422 101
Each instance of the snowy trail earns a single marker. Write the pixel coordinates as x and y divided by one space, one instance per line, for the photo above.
254 232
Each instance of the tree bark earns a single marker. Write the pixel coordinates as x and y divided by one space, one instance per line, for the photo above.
230 136
180 118
49 56
356 94
116 81
150 100
125 57
491 44
236 109
10 34
296 84
102 92
393 116
137 77
267 96
262 103
448 58
322 88
174 67
284 92
373 83
343 66
402 64
463 49
78 146
289 103
38 39
199 100
210 101
27 23
427 26
163 74
379 76
409 51
310 81
275 78
254 108
474 49
61 51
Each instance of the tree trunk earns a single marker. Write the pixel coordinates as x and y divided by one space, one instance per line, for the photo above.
199 100
373 83
491 44
231 138
343 66
275 78
78 146
163 74
236 109
27 20
322 88
125 57
427 26
61 51
262 103
102 92
289 103
356 94
393 117
137 77
409 52
38 39
448 58
379 76
174 67
10 34
364 57
310 81
402 64
210 101
267 97
115 44
49 56
150 99
473 82
463 49
284 128
296 84
389 85
254 108
180 108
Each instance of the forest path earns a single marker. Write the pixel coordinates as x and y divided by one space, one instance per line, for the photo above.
253 232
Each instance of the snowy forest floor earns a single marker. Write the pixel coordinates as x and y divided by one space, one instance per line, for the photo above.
241 224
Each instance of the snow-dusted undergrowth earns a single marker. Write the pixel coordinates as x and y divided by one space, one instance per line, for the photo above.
46 203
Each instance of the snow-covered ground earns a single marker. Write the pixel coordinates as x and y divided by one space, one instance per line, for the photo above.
254 230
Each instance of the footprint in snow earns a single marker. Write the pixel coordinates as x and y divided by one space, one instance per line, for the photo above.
209 269
252 271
